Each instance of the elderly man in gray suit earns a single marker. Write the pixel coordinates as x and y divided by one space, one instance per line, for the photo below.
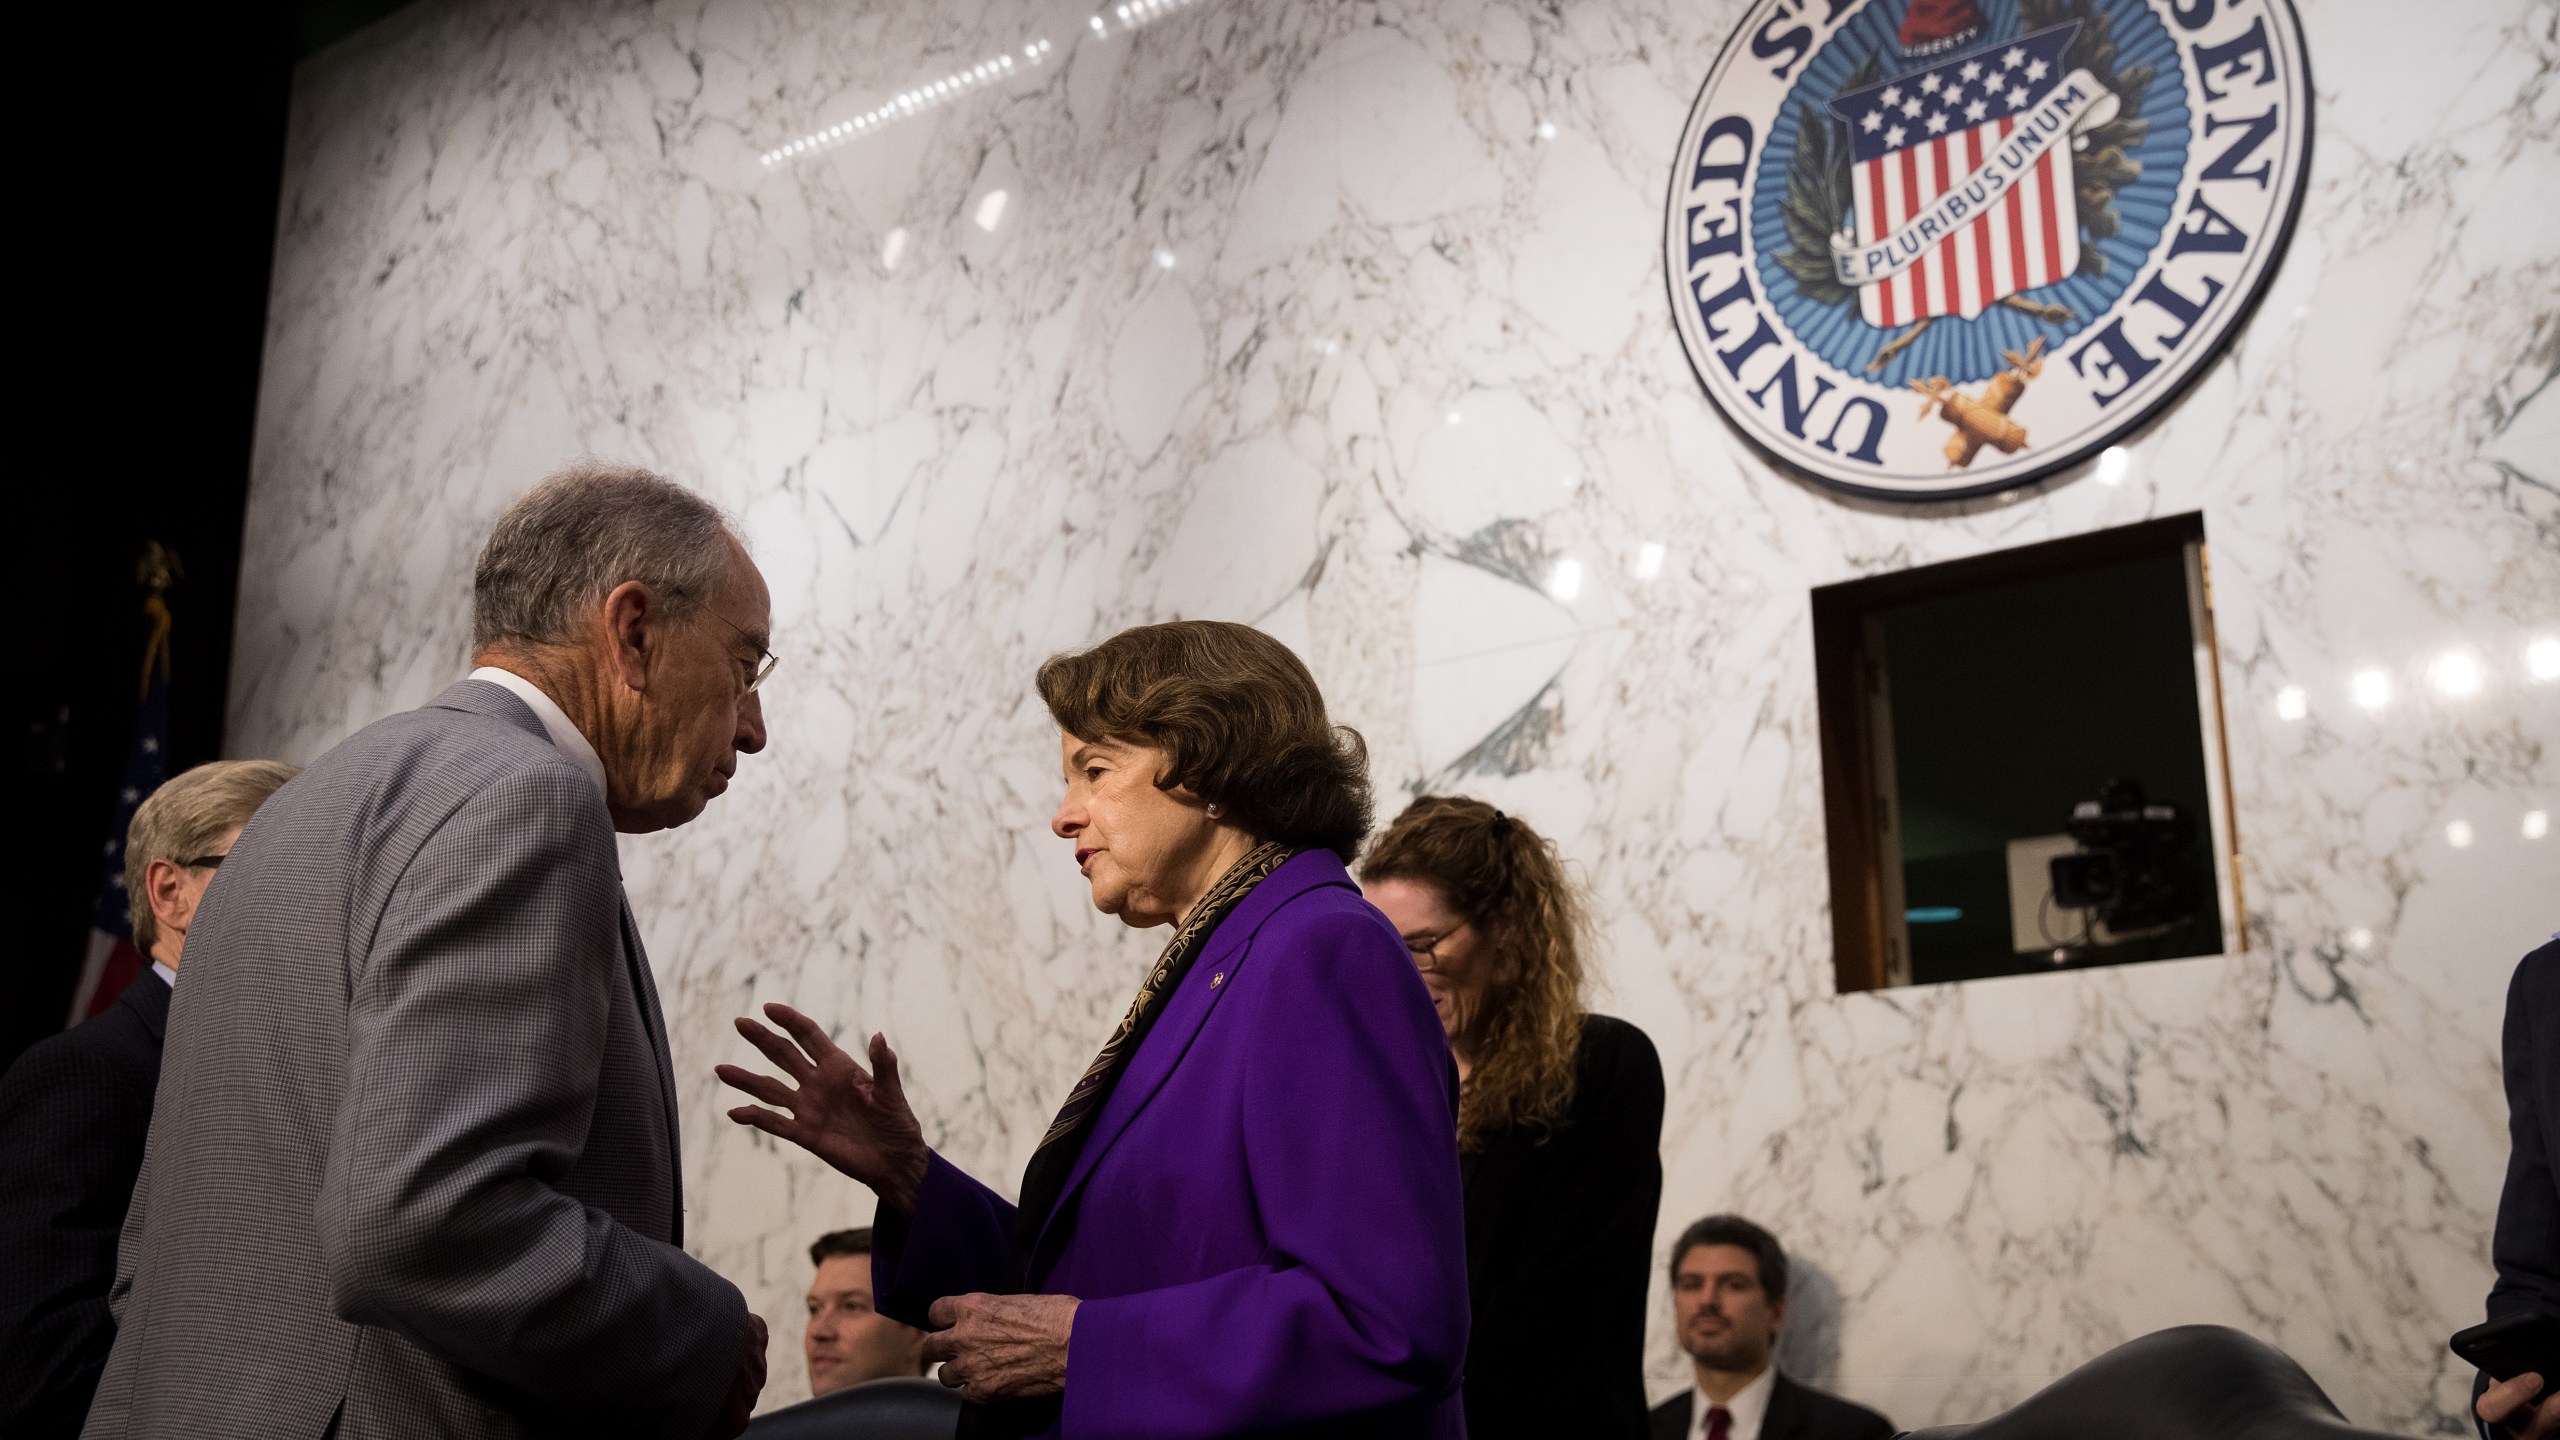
414 1168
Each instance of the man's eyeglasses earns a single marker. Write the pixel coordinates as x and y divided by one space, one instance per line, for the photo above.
765 658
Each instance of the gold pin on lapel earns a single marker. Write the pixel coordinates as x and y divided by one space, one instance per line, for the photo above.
1217 980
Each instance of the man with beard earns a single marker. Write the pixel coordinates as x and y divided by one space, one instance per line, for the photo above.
1729 1295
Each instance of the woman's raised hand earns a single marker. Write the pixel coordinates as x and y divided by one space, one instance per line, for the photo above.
854 1119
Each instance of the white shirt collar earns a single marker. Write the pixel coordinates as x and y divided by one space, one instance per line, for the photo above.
1749 1406
555 722
167 976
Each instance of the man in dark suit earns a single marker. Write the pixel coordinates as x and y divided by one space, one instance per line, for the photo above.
849 1342
2526 1245
75 1109
1729 1295
414 1169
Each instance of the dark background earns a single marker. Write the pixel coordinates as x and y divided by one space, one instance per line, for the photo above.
144 250
2013 703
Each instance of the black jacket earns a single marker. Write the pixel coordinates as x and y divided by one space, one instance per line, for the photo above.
1560 1251
2526 1244
74 1111
1796 1412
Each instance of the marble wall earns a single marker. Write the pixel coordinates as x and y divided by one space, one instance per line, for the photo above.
1347 319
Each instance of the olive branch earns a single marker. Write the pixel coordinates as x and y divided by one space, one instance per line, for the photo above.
1818 196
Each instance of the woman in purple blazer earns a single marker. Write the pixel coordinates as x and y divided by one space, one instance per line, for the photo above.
1246 1217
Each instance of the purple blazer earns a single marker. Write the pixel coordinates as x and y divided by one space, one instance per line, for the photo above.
1265 1225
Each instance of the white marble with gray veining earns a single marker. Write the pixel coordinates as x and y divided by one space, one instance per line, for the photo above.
1298 314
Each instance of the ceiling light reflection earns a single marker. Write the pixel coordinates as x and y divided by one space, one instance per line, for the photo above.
908 102
2292 703
990 211
2457 672
893 248
2114 463
1140 12
2542 659
1648 560
2371 689
2537 823
2458 834
1565 581
1164 259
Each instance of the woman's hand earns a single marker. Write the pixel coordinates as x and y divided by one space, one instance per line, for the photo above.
1002 1347
854 1119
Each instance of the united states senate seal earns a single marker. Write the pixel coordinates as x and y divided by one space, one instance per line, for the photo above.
1923 249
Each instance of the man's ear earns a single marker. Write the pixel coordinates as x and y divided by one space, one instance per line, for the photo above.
1777 1313
634 627
160 886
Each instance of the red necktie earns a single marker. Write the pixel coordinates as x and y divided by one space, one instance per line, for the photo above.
1719 1423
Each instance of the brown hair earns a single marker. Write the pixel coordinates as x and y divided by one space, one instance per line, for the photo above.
182 820
1767 1255
1238 717
1502 878
856 1241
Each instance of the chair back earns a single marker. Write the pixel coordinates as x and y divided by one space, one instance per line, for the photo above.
908 1408
2195 1382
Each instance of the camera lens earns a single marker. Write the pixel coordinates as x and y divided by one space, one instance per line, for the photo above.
2089 878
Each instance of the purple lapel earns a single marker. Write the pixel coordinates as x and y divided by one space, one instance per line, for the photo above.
1164 1047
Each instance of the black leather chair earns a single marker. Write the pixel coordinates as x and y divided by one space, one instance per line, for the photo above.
908 1409
2196 1382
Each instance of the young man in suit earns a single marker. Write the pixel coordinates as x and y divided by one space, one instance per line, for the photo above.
414 1165
75 1109
849 1342
1729 1295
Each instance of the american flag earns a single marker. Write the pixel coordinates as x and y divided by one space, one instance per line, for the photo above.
113 961
1916 137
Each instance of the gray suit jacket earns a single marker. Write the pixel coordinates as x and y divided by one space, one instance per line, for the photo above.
413 1166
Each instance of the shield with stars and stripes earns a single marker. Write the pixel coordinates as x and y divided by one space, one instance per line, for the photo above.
1961 179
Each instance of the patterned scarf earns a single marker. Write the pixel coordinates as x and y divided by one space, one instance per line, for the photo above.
1045 1181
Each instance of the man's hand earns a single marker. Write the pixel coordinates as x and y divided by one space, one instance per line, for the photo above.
1002 1347
2510 1404
854 1119
744 1386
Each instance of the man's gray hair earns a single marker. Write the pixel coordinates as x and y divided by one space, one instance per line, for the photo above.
561 549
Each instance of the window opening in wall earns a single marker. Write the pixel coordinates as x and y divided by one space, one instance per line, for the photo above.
2023 766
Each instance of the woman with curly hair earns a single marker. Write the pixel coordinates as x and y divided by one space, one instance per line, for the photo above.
1559 1122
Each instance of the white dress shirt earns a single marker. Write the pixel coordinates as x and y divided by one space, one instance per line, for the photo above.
555 721
167 976
1748 1407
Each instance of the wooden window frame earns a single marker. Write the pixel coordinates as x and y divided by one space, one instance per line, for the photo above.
1868 949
